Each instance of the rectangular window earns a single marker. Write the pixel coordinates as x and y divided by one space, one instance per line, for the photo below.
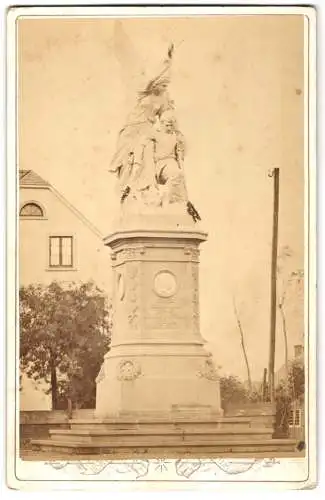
61 251
298 418
295 418
290 419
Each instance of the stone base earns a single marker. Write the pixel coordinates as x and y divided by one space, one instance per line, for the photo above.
167 379
157 361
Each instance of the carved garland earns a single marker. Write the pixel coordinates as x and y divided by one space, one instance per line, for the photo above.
133 295
128 370
208 371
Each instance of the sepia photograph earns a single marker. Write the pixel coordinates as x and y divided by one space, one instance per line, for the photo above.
162 172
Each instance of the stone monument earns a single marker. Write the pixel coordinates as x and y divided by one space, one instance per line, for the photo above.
157 363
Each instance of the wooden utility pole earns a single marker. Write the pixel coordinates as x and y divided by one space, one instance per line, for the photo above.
264 386
275 174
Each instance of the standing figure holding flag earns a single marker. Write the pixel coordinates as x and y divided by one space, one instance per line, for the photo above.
150 150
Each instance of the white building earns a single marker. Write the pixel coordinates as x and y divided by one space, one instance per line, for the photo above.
56 243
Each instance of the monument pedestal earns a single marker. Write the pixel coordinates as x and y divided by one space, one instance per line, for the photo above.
157 362
158 391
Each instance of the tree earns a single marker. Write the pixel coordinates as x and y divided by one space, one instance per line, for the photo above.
64 334
297 379
232 391
287 392
287 278
242 342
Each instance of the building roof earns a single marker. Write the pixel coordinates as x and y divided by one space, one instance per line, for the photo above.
30 178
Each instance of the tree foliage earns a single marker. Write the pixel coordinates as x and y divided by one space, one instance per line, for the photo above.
64 334
287 278
297 379
232 391
287 393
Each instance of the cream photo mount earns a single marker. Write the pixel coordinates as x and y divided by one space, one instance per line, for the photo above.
276 472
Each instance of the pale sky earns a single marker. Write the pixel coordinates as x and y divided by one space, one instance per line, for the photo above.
238 89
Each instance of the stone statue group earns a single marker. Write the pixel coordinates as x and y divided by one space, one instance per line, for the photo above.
149 161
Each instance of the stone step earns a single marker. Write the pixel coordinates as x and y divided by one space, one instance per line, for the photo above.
171 436
145 431
125 454
197 448
162 428
157 420
186 425
83 414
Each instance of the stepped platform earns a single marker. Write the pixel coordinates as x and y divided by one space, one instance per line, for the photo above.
223 436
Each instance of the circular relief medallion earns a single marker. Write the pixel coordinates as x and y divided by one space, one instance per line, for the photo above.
165 284
120 287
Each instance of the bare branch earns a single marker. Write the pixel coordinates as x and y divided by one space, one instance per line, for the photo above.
243 346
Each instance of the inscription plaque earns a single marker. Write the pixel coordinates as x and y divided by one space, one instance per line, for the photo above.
166 314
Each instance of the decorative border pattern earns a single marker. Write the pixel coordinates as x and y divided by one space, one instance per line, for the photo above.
184 468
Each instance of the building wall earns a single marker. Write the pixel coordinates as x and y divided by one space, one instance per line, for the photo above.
33 395
91 257
297 428
91 261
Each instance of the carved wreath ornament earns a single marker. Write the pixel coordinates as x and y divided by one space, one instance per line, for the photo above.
128 370
208 371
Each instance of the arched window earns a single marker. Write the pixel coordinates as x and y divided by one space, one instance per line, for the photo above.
31 209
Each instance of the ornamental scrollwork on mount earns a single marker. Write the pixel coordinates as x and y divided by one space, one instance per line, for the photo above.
133 469
208 371
128 370
186 468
